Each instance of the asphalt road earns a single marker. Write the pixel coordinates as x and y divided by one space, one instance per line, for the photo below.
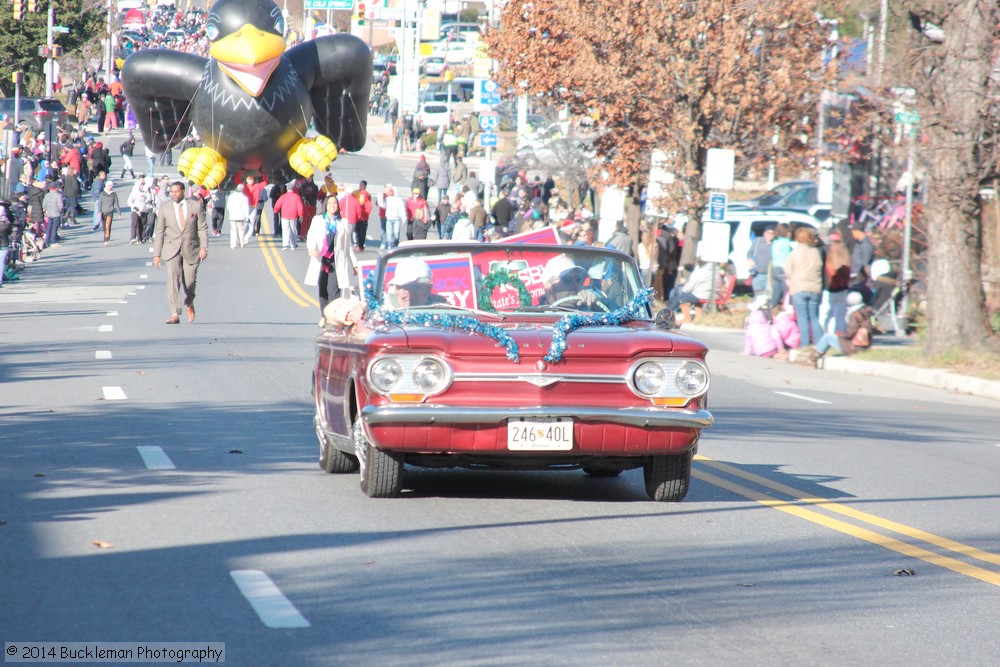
815 494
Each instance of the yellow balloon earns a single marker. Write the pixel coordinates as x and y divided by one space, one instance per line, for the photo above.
216 175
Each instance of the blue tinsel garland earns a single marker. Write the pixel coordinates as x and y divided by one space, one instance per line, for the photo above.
561 329
456 322
566 325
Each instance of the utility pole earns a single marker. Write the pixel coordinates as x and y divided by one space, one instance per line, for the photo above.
883 17
49 74
110 66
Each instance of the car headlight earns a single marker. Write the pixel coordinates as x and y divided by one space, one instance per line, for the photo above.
429 375
668 381
409 378
692 379
385 374
649 378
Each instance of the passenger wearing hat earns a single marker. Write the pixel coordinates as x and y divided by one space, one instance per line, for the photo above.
411 285
564 282
858 335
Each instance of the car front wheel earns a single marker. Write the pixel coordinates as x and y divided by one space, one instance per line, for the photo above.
668 477
381 471
331 459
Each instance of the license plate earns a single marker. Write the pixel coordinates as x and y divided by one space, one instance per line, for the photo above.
544 434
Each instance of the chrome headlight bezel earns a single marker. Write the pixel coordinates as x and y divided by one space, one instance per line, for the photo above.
674 389
414 371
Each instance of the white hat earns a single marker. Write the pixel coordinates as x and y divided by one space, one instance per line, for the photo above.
760 301
411 270
880 267
557 267
854 301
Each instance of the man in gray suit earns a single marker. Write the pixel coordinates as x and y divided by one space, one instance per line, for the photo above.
181 240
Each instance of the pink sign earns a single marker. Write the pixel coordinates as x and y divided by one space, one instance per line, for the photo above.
451 277
545 235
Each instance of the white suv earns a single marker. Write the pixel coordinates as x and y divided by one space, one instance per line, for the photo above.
432 115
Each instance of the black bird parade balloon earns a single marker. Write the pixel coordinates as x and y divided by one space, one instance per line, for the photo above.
255 105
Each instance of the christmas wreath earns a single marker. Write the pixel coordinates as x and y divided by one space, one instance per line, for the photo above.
497 278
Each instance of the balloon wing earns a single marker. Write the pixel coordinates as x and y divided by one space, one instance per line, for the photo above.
159 85
337 71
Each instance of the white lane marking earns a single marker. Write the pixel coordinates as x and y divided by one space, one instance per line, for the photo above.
143 276
273 608
102 354
803 398
105 328
131 293
123 301
155 458
112 313
140 287
113 394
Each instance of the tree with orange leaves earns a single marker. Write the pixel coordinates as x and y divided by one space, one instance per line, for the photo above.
680 76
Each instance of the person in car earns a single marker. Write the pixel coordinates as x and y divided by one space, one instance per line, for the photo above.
411 285
565 281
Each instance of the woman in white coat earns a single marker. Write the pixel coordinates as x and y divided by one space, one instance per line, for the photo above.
333 263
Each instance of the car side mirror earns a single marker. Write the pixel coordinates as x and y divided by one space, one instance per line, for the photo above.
665 319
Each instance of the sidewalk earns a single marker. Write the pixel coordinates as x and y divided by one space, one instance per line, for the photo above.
927 377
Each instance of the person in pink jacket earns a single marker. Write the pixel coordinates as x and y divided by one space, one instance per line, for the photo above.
759 337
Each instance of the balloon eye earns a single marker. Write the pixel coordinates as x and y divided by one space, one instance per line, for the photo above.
212 32
279 26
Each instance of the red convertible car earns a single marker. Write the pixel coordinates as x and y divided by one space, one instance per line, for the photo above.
508 355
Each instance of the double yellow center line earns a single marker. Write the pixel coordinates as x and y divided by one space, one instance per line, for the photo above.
272 257
795 508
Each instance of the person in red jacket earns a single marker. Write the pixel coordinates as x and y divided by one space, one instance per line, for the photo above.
255 189
70 158
289 210
350 209
361 227
416 206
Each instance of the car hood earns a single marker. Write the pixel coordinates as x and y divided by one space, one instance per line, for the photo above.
533 341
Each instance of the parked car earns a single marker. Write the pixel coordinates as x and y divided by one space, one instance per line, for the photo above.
432 115
435 66
519 357
799 195
35 111
747 224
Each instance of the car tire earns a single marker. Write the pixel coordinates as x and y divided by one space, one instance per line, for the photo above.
381 471
668 477
331 459
601 472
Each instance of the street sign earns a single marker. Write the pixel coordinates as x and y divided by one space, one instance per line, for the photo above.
60 28
488 139
490 91
489 121
907 117
717 206
329 4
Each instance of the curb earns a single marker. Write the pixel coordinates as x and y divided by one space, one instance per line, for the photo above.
927 377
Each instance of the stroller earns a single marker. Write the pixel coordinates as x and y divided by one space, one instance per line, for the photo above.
30 246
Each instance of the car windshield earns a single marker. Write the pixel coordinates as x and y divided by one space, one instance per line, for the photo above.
506 278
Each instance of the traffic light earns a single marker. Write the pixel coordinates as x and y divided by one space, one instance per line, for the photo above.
56 50
32 5
18 9
361 13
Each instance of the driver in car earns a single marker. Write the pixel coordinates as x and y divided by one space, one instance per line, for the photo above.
411 285
564 285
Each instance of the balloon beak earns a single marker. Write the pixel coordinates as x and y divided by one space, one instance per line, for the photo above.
249 56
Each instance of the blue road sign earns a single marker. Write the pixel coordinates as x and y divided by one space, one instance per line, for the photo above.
489 92
488 139
717 206
489 121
